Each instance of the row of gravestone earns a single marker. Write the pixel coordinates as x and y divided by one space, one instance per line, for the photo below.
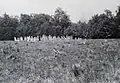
43 38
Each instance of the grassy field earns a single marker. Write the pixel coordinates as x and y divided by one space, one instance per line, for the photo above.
65 61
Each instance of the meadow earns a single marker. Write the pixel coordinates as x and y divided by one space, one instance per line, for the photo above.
64 61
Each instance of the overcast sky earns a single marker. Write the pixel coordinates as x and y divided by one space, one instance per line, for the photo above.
77 9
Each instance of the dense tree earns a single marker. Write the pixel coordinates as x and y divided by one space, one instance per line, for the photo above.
59 31
77 30
43 24
72 30
83 28
105 25
102 26
117 20
7 33
7 27
61 21
118 16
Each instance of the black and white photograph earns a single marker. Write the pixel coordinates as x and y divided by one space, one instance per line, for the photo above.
59 41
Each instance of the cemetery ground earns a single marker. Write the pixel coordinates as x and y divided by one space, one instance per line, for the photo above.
64 61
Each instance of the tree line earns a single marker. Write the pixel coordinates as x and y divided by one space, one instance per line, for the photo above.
105 25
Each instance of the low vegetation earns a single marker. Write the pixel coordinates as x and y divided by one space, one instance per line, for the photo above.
65 61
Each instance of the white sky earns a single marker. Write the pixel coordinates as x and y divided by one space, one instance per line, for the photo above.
77 9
